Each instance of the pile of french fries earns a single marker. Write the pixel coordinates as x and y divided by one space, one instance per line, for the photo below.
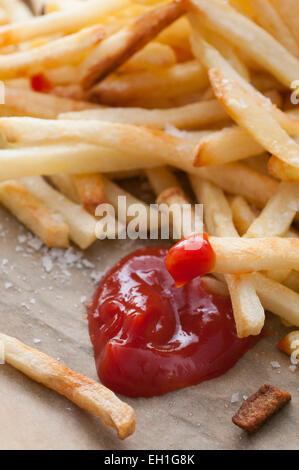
147 88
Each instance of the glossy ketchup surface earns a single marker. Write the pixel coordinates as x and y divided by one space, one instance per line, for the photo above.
151 337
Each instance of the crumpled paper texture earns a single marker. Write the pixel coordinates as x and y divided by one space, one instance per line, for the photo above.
46 310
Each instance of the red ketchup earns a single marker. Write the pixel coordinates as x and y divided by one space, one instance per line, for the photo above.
151 338
40 83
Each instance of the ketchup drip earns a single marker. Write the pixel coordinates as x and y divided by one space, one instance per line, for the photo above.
151 338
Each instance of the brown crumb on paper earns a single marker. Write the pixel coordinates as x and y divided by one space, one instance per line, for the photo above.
259 407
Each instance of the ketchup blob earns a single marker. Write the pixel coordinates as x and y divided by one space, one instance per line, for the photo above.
190 258
151 338
40 83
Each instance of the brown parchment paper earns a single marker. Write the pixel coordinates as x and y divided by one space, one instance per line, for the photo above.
47 307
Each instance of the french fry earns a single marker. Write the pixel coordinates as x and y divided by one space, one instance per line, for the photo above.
248 311
292 281
247 255
290 345
190 116
84 392
288 9
258 163
269 19
34 214
215 286
41 105
278 214
118 48
17 10
81 224
60 22
153 88
281 170
87 189
161 179
256 120
70 49
136 141
243 215
153 55
67 158
245 34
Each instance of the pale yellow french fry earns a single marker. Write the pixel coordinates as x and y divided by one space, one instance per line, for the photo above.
190 116
161 179
34 214
258 122
136 141
248 311
215 286
243 215
151 56
17 10
68 50
4 17
281 170
68 158
41 105
60 22
245 34
118 48
81 224
288 9
247 255
151 89
269 19
84 392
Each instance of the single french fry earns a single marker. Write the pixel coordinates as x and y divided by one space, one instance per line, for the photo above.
34 214
118 48
41 105
60 22
70 49
269 19
243 215
282 170
161 179
84 392
292 281
277 216
153 55
150 89
215 286
17 10
248 311
247 255
242 32
190 116
82 225
288 9
259 122
68 158
136 141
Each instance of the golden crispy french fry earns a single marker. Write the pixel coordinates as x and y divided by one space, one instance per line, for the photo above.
248 113
247 255
150 89
81 224
281 170
248 311
60 22
17 10
70 49
34 214
161 179
269 19
136 141
288 9
87 189
242 32
68 158
190 116
152 55
290 345
81 390
41 105
118 48
243 215
277 216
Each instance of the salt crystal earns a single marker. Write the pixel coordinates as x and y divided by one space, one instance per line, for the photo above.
8 285
35 243
83 299
47 263
293 368
36 341
235 398
275 365
87 264
33 301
